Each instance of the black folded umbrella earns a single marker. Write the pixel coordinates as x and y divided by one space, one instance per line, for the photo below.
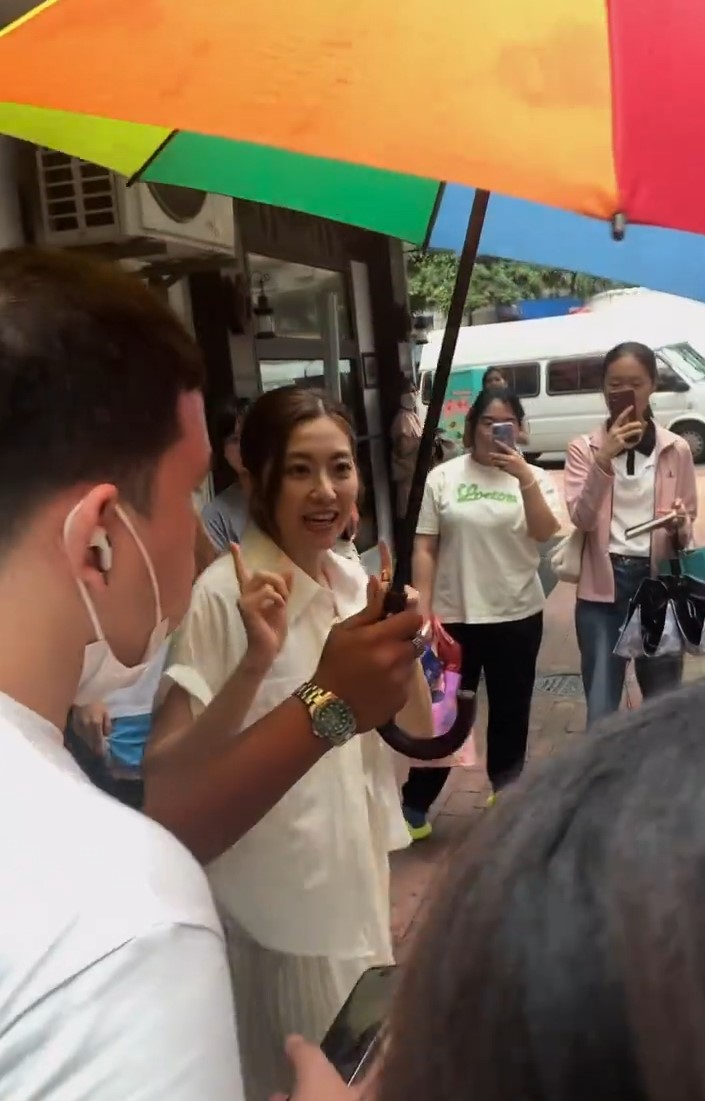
687 596
683 597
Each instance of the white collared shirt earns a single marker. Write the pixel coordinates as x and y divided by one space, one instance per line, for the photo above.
114 981
305 879
633 502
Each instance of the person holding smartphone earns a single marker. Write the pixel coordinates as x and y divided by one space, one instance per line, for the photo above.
626 473
495 379
476 558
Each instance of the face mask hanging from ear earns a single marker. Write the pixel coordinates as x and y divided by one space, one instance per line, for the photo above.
102 672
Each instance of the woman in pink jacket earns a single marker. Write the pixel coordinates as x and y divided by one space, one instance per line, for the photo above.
626 472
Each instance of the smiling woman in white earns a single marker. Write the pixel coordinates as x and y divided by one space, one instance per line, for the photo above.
305 895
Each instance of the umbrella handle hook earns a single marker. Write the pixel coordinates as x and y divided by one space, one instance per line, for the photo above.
443 745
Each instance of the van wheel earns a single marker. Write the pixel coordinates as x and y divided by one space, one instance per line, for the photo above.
694 435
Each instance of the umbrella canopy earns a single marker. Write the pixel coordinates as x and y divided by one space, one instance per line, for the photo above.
663 259
387 202
584 107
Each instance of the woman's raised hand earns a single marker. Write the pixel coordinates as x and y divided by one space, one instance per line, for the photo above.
513 462
263 606
623 433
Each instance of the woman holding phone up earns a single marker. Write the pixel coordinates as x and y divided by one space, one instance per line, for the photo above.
476 559
628 472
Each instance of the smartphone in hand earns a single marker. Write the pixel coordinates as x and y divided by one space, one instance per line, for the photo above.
620 400
353 1040
504 432
651 525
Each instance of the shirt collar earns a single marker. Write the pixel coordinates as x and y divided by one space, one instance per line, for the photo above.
262 553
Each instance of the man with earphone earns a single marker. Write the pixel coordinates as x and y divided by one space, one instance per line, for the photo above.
114 980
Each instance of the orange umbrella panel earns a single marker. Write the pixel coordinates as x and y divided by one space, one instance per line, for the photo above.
582 106
510 96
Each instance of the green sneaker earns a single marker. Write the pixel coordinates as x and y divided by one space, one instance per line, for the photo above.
417 824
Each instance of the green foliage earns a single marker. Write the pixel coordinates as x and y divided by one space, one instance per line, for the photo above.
494 283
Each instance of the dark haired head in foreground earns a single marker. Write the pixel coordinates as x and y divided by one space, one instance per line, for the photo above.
101 418
565 957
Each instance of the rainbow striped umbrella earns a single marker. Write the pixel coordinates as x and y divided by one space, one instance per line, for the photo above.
359 110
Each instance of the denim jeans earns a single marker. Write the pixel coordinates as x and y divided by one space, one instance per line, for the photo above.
597 626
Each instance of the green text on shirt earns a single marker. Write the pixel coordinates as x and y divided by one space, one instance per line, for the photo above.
473 492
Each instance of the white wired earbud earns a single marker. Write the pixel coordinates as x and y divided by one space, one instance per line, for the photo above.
101 543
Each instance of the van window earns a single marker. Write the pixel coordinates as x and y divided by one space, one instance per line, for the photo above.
577 375
669 381
522 378
688 359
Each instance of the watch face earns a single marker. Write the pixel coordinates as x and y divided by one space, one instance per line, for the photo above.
335 721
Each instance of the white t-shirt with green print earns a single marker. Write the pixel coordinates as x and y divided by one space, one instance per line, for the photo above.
487 570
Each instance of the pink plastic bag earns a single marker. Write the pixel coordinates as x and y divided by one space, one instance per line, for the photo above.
445 706
446 709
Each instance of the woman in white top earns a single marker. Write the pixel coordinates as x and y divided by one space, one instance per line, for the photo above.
305 894
476 559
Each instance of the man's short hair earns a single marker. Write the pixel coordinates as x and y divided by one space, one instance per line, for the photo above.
91 367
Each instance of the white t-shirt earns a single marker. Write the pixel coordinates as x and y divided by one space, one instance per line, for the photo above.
306 880
633 502
114 981
487 566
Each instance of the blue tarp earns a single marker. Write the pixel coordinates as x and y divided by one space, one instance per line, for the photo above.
531 309
661 259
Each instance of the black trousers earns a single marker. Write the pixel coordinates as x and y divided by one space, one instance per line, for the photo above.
507 653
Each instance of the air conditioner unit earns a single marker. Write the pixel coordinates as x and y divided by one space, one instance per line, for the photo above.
82 204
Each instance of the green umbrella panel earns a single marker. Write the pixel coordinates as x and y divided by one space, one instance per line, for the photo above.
391 203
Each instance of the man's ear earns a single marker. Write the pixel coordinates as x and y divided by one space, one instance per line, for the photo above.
86 540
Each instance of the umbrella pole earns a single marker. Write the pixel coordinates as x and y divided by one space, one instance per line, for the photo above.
468 256
434 749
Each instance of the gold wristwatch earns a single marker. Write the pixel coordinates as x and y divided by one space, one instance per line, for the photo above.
331 718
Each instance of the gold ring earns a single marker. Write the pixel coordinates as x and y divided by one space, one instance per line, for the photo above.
385 577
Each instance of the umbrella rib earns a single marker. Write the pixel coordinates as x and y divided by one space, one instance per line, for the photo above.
433 215
137 176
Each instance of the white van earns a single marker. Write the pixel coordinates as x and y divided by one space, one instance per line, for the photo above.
554 366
